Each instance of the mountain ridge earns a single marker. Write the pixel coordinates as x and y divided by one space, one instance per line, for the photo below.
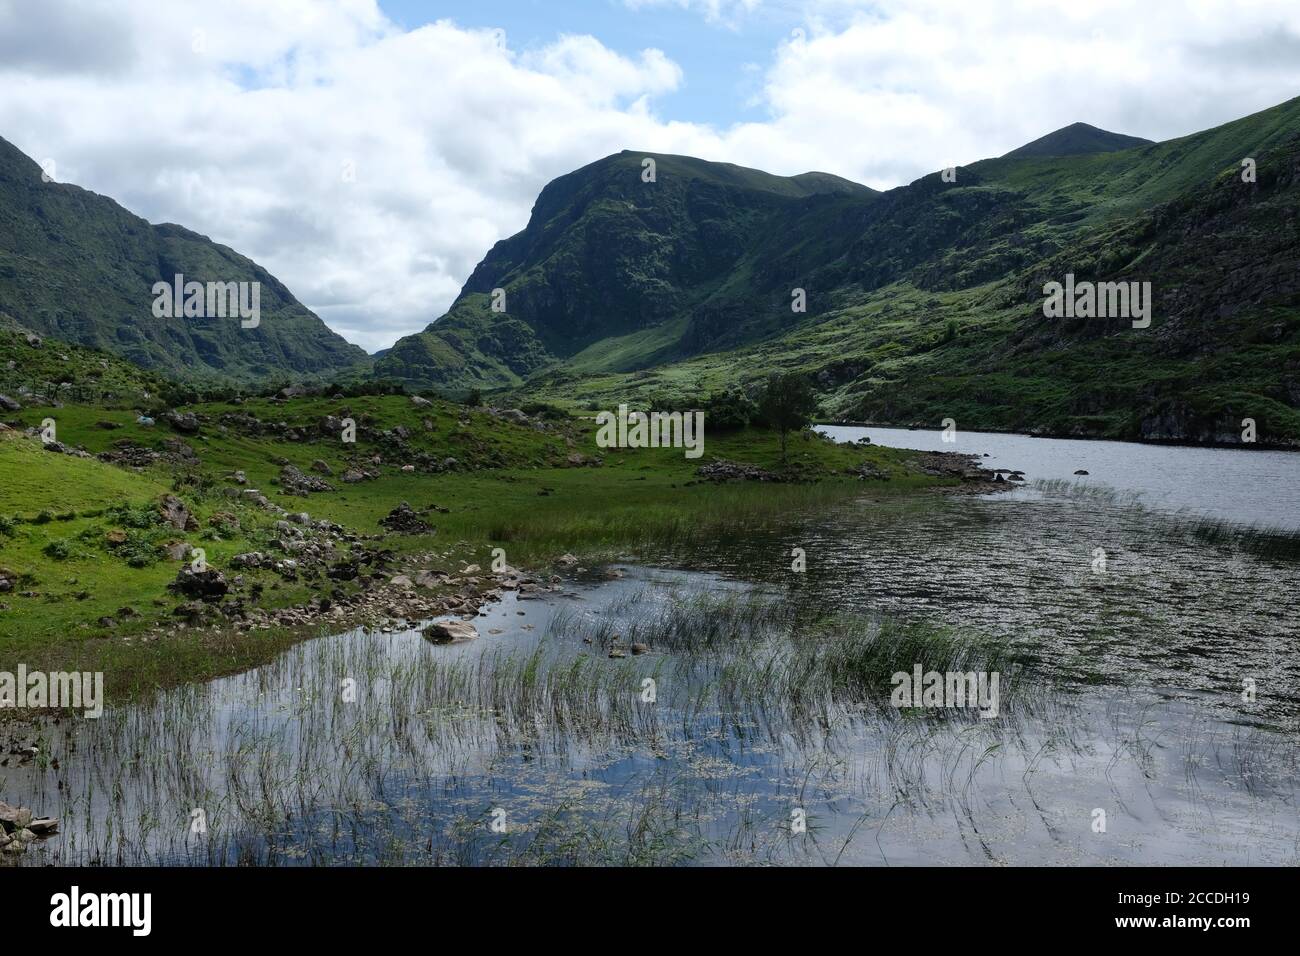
915 296
1078 139
78 266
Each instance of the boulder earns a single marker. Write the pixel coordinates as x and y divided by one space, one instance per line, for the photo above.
187 423
209 585
176 550
175 513
450 632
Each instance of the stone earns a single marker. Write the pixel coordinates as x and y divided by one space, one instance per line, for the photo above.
14 818
176 550
450 632
175 513
405 520
293 481
209 585
187 423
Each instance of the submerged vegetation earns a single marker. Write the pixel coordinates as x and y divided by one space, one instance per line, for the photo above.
543 750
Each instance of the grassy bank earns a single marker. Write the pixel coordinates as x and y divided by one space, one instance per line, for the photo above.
85 552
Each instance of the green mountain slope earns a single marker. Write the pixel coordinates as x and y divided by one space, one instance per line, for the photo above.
924 302
77 266
669 268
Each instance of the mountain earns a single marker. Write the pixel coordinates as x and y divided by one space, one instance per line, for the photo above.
78 267
1078 139
923 302
617 272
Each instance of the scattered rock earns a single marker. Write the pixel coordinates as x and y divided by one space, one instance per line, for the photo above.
722 470
293 481
1080 472
405 520
9 405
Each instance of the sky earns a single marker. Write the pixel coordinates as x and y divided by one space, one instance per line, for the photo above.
369 152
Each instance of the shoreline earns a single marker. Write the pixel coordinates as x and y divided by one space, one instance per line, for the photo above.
1163 442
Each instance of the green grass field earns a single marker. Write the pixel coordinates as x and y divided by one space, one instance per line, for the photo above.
513 486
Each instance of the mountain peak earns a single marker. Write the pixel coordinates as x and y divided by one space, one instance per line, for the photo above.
1078 139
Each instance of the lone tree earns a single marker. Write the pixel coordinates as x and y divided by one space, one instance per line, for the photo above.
787 404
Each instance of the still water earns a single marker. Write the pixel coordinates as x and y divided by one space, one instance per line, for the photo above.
1253 487
1130 741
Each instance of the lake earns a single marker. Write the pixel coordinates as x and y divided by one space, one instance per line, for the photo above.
1253 487
1125 736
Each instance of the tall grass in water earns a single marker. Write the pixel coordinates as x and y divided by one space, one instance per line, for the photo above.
728 509
758 709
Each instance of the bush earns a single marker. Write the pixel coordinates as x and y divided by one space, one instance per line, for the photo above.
137 516
138 551
60 549
728 411
543 410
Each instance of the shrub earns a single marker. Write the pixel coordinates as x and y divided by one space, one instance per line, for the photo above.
60 549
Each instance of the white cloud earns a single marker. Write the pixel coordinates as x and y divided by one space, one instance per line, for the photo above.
237 120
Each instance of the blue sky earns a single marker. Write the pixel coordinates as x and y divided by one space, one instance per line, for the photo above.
723 59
